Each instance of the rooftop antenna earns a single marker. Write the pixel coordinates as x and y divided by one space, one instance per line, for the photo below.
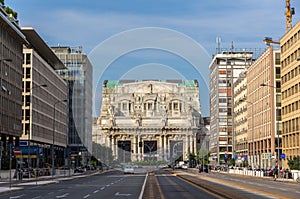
218 41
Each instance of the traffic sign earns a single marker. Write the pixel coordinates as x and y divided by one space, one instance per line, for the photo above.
282 156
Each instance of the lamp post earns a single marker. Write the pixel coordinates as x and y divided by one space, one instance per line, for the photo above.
53 135
252 117
31 123
278 148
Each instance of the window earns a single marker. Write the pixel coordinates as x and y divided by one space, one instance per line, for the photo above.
28 58
124 106
175 105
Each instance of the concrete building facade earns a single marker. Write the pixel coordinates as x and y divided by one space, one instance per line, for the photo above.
264 109
150 120
240 140
290 78
44 121
11 55
225 69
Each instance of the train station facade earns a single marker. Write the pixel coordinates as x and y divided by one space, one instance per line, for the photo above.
150 120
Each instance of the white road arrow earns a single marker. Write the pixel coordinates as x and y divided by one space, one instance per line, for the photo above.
123 194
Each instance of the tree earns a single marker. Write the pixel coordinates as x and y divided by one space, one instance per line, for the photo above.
11 11
294 163
192 160
8 10
202 156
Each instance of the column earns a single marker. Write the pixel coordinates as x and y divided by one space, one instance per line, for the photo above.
161 148
136 147
165 156
139 148
194 144
187 144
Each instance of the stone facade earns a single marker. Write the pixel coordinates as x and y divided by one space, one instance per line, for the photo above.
150 120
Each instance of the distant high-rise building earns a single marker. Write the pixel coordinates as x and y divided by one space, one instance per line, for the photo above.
225 68
79 78
290 89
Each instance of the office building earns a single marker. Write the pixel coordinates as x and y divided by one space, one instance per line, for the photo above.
225 68
79 79
290 89
11 55
44 121
240 134
264 109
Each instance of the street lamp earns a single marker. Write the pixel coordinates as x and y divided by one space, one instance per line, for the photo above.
252 117
53 135
278 151
31 123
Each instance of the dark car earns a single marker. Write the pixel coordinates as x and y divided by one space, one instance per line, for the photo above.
78 170
203 168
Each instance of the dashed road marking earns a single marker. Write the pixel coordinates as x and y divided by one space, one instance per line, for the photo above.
12 197
63 196
96 191
86 196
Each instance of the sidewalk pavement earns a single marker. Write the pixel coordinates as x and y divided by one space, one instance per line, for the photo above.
264 177
14 185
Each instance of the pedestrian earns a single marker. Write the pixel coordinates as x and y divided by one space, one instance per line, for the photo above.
275 173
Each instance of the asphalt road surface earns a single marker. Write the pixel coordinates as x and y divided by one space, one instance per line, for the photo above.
112 184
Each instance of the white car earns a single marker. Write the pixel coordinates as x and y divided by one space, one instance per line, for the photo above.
128 169
184 166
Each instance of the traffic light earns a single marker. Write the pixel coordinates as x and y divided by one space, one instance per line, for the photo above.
198 140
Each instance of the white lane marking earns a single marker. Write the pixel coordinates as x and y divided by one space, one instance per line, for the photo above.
96 191
122 194
102 188
50 193
63 196
36 197
143 187
283 189
112 183
12 197
107 185
87 196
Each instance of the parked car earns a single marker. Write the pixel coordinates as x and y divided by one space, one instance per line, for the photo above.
78 170
128 169
184 166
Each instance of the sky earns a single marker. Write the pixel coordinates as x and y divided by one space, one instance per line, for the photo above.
151 39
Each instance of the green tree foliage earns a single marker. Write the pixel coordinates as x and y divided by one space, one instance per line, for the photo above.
11 11
203 156
8 10
294 163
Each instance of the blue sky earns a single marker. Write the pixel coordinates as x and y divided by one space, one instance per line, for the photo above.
91 23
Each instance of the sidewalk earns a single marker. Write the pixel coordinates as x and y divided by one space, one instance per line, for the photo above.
250 176
14 185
